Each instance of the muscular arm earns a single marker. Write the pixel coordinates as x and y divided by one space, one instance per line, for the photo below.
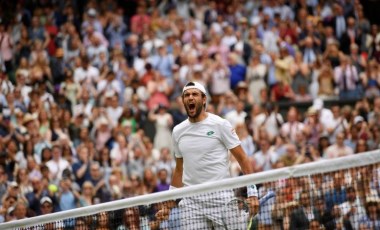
177 174
242 159
164 212
246 168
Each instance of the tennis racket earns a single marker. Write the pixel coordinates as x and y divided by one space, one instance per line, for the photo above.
236 214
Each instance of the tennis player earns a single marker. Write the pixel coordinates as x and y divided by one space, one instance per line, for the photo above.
201 146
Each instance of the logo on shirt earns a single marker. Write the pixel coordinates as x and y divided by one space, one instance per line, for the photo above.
209 133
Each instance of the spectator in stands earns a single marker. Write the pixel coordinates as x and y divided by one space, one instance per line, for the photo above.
314 225
370 78
293 126
140 21
227 103
81 169
350 36
237 115
67 197
57 164
87 196
337 194
244 96
149 180
361 146
46 205
300 74
255 78
162 184
6 48
323 215
302 216
165 161
20 210
103 221
290 157
339 149
80 224
246 139
283 64
7 203
265 158
163 121
98 183
34 197
374 115
372 214
237 70
313 129
219 75
23 181
116 32
346 77
281 92
270 119
337 125
352 209
337 222
131 219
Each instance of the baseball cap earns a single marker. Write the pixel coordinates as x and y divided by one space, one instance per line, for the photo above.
46 199
194 85
13 184
358 119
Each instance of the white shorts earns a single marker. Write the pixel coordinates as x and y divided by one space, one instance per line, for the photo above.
208 211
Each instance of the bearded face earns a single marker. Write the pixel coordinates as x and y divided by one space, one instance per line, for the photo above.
193 101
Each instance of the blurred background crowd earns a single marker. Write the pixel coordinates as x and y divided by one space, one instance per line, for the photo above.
90 90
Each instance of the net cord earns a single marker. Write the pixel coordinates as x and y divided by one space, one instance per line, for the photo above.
322 166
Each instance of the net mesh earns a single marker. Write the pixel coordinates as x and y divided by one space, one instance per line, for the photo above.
330 194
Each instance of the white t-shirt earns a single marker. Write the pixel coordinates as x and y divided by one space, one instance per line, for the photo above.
89 75
114 114
235 117
270 123
57 168
204 148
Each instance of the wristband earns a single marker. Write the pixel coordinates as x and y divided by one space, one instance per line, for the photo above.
252 191
172 187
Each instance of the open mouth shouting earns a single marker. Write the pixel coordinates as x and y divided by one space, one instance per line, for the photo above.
193 109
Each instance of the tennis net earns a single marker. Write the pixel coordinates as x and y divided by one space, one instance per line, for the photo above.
329 194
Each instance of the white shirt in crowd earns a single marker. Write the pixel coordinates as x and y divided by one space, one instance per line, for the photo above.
90 75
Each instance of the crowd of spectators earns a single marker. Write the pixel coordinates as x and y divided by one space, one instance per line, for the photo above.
90 90
344 199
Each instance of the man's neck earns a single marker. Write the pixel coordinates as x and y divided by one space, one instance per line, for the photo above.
202 116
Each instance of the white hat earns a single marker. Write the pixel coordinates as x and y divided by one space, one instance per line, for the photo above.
91 12
13 184
358 119
194 85
318 104
46 199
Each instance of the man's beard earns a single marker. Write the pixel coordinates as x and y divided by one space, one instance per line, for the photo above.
198 110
